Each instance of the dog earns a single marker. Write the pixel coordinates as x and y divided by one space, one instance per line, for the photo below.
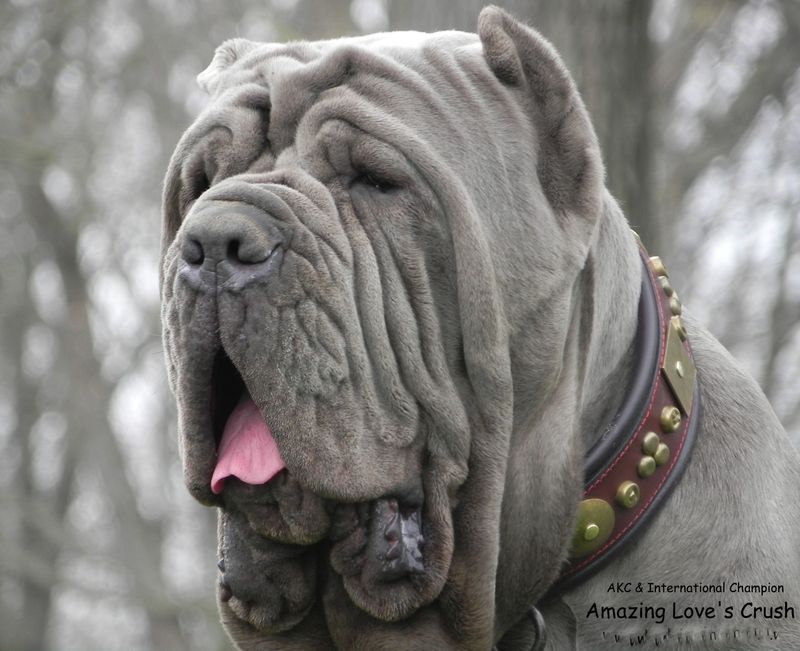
404 320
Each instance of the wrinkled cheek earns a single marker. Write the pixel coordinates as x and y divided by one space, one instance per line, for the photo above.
343 448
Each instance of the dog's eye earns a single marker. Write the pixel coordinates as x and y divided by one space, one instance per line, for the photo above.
376 182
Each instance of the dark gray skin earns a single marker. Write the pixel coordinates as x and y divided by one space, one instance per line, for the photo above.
401 246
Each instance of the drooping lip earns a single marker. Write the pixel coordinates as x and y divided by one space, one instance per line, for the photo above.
209 390
377 546
396 547
370 546
281 508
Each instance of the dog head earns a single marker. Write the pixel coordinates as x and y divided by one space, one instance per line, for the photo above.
368 246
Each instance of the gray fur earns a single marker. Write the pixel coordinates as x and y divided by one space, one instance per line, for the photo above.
459 337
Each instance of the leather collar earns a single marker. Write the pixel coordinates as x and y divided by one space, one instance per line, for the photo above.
631 470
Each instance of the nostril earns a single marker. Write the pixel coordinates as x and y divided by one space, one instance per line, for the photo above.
192 251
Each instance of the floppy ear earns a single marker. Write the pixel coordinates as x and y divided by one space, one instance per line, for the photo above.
570 168
224 57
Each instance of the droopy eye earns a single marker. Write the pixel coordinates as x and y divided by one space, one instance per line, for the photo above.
374 181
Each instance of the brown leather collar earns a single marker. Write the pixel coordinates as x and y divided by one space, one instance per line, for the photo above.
630 471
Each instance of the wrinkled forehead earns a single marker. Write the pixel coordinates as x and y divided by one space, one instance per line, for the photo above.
240 61
402 72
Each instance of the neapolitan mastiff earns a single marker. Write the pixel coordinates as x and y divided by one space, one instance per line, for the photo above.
429 379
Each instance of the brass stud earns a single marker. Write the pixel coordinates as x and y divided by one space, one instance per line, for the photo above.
591 532
670 419
658 266
666 286
675 305
677 324
594 526
662 454
650 443
679 369
628 494
647 466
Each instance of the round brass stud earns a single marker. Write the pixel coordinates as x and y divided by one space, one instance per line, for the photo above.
677 323
658 266
590 532
675 305
595 525
662 454
628 494
679 369
647 466
670 419
666 286
650 443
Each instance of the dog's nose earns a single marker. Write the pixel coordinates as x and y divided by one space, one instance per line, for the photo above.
233 242
238 234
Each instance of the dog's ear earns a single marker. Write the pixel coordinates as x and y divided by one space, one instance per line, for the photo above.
224 57
570 168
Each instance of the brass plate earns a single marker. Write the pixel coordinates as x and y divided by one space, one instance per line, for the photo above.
592 512
679 369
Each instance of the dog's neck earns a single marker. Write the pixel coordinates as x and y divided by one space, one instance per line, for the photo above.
611 283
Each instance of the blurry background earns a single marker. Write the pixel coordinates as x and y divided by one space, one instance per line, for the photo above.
697 104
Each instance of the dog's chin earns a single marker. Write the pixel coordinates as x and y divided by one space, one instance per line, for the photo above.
391 557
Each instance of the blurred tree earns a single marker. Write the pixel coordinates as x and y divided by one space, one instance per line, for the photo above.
77 97
315 19
728 160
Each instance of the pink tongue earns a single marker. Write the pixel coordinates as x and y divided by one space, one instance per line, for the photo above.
247 449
